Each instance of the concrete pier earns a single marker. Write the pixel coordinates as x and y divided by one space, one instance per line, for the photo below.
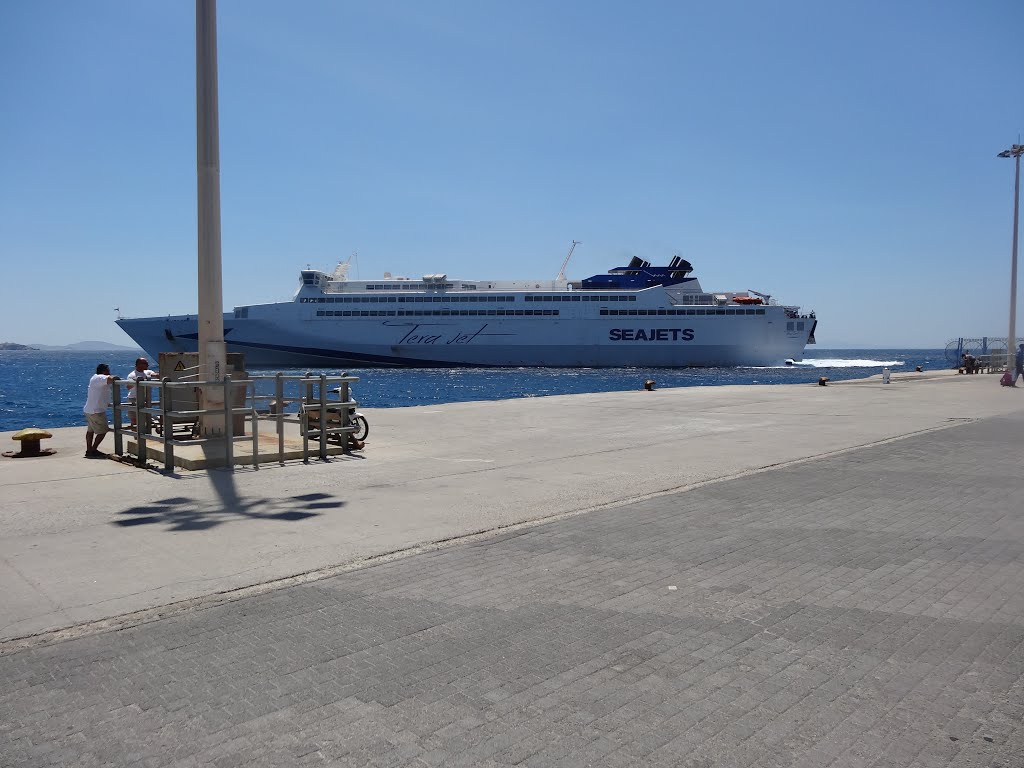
776 575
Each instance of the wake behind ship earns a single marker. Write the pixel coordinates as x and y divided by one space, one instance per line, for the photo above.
636 315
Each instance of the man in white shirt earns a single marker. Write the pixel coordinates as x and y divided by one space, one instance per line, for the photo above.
141 371
95 410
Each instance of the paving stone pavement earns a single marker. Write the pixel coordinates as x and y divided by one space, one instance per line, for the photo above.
865 609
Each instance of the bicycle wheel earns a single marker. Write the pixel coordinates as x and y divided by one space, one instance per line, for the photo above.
362 427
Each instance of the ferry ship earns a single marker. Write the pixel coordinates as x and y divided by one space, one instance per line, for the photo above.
637 315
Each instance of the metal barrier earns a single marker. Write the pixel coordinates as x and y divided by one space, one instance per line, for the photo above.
992 348
313 398
165 413
320 417
990 364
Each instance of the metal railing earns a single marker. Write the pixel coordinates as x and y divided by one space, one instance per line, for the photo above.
165 411
992 348
313 396
995 363
165 405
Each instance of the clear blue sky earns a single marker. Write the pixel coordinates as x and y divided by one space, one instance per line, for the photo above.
840 156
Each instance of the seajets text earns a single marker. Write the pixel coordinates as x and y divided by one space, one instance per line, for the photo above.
651 334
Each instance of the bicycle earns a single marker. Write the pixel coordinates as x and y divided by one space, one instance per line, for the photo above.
361 427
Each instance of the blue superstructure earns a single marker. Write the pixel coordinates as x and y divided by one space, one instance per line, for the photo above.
639 274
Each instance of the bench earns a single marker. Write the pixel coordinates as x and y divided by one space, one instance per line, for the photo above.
992 363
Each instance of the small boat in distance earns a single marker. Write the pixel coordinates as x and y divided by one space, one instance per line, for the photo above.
636 315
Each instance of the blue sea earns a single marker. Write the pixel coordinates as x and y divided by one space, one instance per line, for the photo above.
47 389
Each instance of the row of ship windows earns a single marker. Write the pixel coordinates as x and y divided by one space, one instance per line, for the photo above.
432 313
414 286
453 299
578 297
523 312
682 311
399 286
401 299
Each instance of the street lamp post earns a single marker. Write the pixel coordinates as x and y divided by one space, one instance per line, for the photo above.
1011 342
212 350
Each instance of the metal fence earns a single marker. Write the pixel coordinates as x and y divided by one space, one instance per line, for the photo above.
992 348
320 417
169 412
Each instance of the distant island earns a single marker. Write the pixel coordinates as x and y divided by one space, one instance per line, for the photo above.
79 346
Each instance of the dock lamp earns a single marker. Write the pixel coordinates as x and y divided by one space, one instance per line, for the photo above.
1011 343
212 350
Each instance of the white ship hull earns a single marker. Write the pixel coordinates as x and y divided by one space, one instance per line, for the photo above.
348 325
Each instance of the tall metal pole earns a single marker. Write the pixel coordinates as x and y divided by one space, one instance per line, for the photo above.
212 351
1011 342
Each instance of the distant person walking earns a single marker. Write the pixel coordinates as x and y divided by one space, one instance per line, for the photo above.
140 372
95 410
1018 367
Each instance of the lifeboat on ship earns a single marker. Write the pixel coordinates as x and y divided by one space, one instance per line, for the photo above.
747 300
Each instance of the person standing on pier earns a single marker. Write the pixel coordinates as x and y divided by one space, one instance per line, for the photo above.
140 372
95 410
1018 368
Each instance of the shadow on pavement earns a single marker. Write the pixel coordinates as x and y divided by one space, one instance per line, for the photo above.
181 513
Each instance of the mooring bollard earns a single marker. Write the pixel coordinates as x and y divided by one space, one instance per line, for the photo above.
30 439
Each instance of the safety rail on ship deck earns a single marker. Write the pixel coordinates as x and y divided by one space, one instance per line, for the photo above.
313 401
